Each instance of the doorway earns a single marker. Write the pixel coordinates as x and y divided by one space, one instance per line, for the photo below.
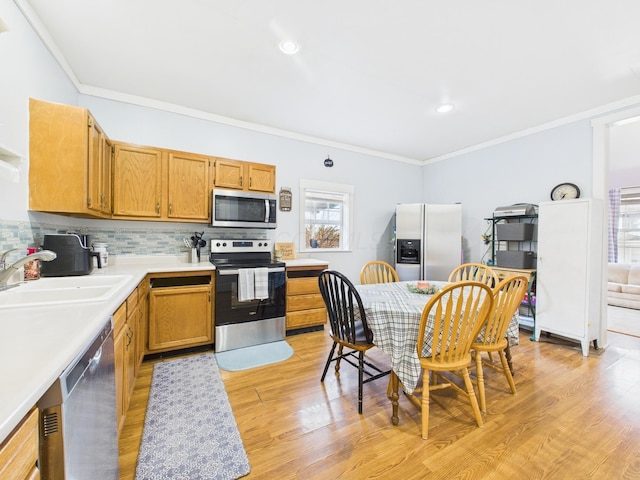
611 136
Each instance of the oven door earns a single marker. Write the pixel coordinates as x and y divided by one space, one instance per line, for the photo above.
229 310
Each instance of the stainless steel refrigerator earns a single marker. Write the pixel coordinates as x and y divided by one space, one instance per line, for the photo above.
428 240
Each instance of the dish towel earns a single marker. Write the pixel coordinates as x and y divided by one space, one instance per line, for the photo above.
246 290
261 282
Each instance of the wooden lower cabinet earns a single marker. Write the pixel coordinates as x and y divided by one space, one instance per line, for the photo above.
180 311
166 311
19 452
142 323
122 340
305 306
128 328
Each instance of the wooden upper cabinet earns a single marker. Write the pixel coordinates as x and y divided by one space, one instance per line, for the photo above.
239 175
137 181
67 153
229 173
99 177
189 186
74 169
262 178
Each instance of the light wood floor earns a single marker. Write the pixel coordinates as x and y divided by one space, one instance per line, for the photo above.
573 418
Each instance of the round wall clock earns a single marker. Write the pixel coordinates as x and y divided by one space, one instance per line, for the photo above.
565 191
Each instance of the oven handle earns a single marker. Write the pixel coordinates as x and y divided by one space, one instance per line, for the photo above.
235 271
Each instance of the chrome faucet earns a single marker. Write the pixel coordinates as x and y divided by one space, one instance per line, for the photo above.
6 272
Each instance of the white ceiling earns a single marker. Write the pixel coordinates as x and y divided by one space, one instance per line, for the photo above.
369 73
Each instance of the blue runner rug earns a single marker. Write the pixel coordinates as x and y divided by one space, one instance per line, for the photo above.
255 356
190 431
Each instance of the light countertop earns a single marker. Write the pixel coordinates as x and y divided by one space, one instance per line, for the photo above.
304 262
38 343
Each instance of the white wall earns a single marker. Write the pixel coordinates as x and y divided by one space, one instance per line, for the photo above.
624 155
523 170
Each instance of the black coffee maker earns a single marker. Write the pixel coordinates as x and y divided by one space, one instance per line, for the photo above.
74 255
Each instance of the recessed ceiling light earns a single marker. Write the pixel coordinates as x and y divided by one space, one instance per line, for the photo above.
444 108
289 47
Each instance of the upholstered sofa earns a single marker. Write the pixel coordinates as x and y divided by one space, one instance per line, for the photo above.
624 285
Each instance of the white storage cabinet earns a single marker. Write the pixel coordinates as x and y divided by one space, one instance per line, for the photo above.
568 296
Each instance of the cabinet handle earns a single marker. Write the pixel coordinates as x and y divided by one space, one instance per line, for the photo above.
241 181
157 207
170 208
250 182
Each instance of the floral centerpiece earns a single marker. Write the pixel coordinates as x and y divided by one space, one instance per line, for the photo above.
424 288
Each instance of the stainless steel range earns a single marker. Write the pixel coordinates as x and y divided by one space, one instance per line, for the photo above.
250 303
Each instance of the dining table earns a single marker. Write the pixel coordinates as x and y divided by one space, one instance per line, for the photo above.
393 311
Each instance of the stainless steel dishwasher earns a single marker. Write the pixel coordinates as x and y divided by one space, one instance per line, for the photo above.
78 430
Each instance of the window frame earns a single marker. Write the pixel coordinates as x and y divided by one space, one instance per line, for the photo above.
629 202
346 224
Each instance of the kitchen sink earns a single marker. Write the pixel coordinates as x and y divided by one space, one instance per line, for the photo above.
63 290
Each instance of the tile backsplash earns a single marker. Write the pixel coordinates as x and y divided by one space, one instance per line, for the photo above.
121 241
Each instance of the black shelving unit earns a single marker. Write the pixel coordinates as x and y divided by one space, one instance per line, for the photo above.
518 233
513 220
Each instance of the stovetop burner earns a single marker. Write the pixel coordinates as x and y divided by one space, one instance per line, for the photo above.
242 254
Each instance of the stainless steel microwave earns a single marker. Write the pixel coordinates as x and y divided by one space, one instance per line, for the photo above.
235 208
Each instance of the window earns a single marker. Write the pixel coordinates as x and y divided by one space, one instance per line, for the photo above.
326 216
629 226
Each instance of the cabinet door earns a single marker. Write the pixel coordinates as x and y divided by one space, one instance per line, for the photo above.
569 253
19 452
137 181
180 317
262 178
106 178
58 156
189 186
229 173
99 170
141 327
131 352
120 327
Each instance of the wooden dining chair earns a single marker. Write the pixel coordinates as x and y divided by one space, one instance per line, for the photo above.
507 296
477 272
378 271
456 314
349 329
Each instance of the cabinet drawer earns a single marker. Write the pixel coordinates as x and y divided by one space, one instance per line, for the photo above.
143 290
302 286
304 302
306 318
19 453
119 318
132 301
